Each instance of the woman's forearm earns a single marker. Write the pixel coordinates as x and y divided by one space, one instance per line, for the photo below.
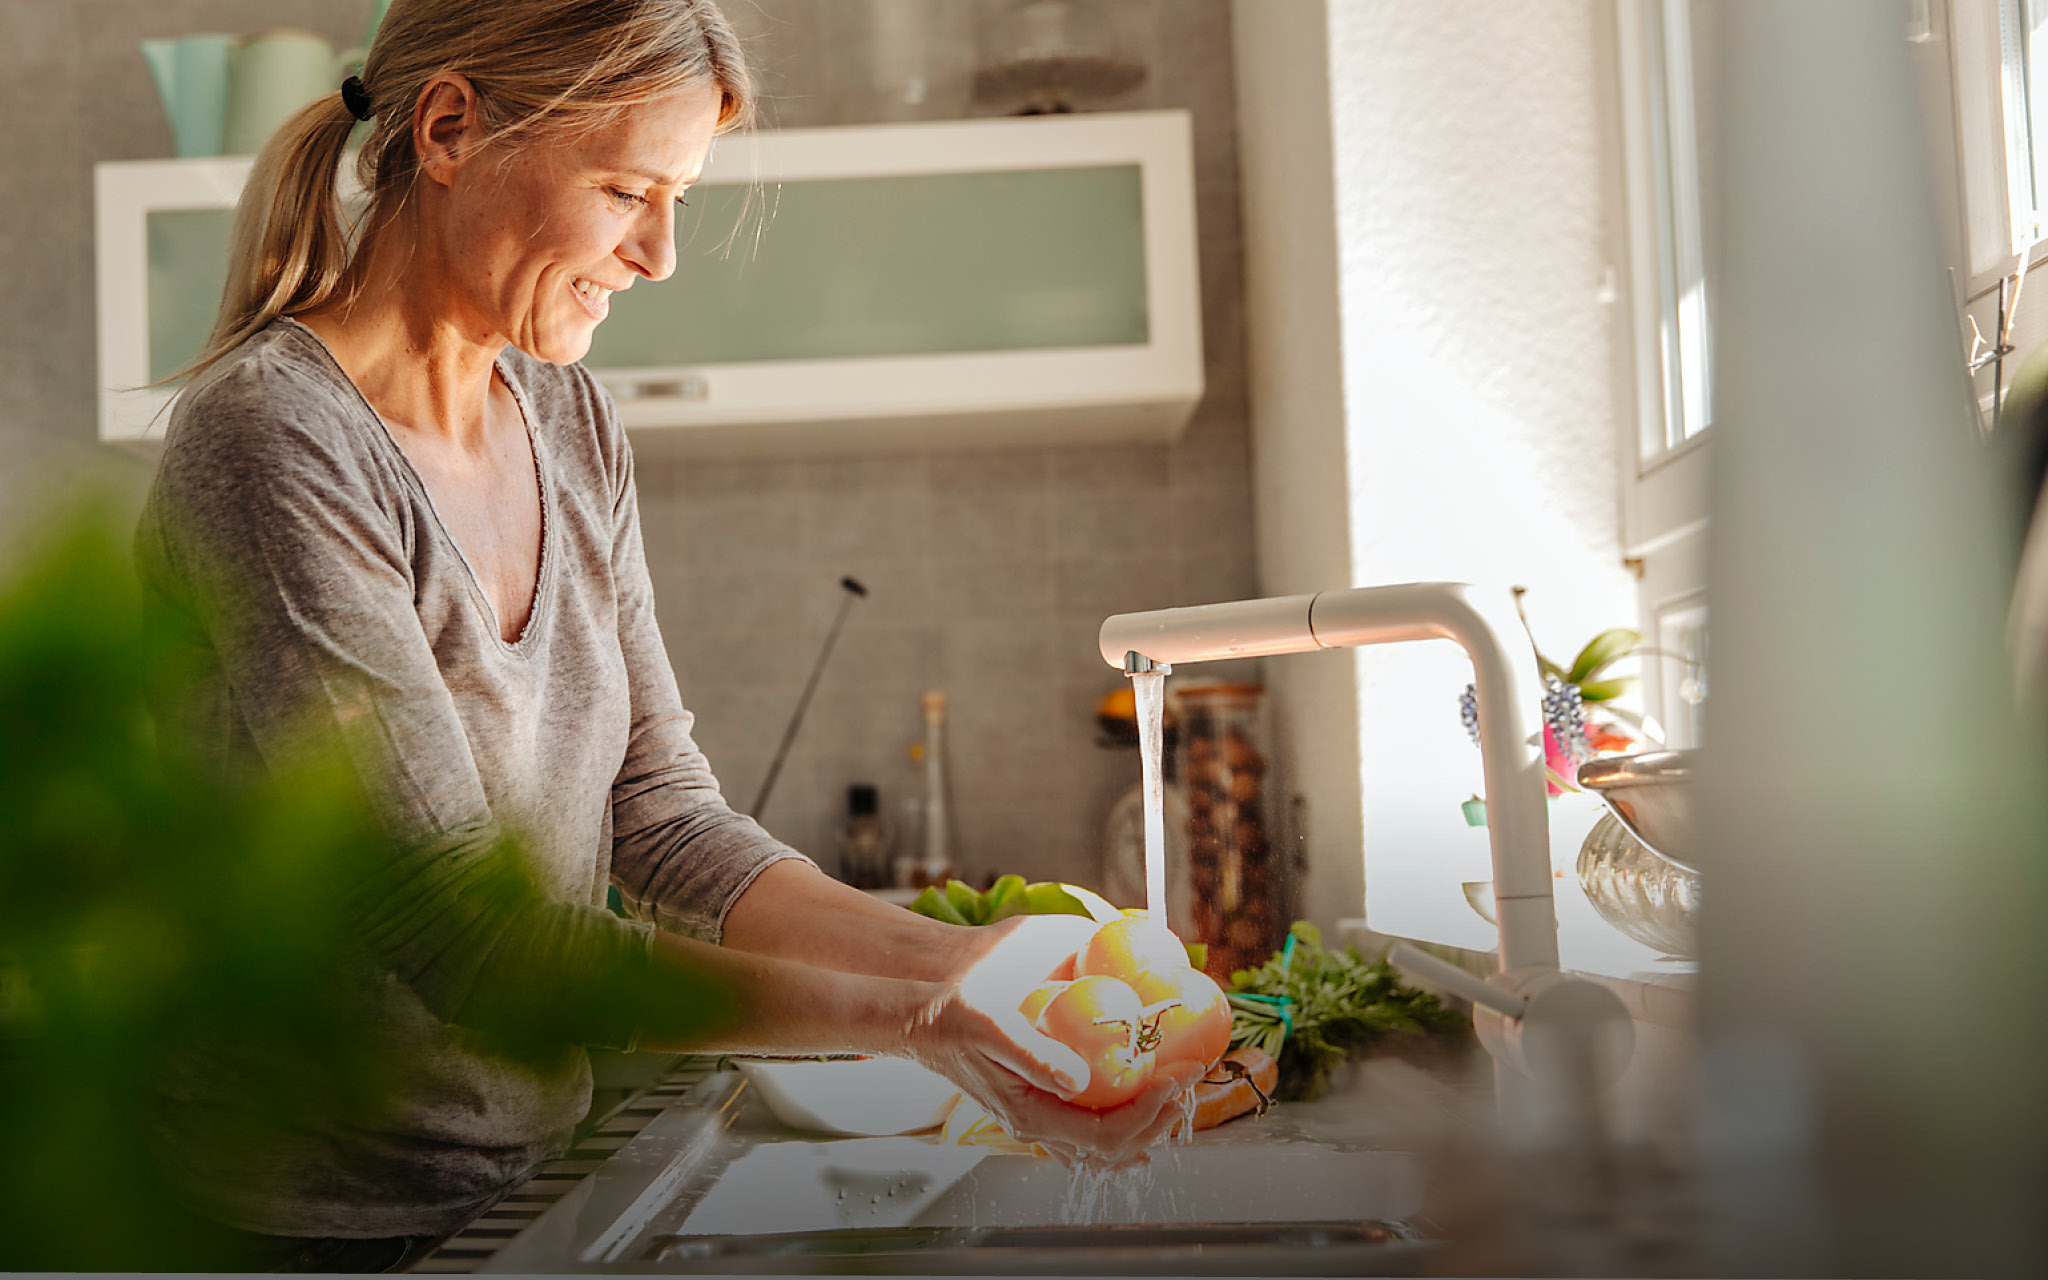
796 912
777 1005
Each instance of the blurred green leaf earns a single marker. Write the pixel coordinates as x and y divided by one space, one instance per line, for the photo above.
966 901
1606 690
1049 898
933 902
1005 898
1600 652
152 910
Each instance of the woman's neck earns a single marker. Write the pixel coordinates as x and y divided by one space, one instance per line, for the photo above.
395 334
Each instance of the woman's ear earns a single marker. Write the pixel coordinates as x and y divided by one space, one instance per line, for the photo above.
446 122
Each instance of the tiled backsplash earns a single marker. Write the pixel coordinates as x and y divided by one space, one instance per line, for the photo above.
988 573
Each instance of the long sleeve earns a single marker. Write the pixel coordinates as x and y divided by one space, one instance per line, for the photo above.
681 856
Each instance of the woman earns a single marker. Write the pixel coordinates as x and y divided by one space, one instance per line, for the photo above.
398 516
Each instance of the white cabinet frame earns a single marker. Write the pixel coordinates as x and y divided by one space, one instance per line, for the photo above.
1137 391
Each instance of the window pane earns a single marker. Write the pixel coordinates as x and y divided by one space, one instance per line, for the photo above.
1689 84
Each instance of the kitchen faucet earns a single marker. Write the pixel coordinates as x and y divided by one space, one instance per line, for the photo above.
1566 1035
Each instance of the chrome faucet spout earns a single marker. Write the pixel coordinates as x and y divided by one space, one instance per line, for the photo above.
1481 621
1137 664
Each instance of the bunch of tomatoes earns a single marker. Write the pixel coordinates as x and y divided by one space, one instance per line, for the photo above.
1129 1002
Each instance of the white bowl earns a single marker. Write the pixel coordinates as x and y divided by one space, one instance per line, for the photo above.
861 1097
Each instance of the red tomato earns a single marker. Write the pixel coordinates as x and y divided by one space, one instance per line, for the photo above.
1101 1019
1128 947
1195 1030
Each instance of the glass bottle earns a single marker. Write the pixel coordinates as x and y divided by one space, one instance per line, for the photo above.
929 859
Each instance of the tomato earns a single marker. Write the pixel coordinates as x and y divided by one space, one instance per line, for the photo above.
1198 1028
1129 947
1101 1019
1034 1004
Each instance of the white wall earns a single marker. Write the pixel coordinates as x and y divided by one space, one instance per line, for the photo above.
1472 228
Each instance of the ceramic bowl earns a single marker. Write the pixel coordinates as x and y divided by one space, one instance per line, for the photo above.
859 1097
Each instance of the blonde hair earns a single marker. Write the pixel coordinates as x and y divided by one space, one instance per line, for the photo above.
540 68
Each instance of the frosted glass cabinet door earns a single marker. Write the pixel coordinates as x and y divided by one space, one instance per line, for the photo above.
188 267
915 264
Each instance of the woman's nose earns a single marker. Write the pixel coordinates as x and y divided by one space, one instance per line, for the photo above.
651 247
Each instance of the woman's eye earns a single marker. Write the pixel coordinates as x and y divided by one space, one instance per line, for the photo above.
627 197
683 202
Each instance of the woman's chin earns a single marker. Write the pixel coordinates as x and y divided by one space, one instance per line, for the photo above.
561 347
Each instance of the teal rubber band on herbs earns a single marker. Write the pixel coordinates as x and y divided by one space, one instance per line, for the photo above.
1281 1006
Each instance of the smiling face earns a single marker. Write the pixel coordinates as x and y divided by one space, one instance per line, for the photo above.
527 246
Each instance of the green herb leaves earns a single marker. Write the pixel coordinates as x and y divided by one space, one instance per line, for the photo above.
1334 1003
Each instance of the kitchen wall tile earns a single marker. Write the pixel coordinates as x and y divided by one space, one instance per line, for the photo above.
852 520
1116 584
747 527
750 599
737 476
1019 589
1227 571
1005 650
1113 523
997 471
990 524
1124 468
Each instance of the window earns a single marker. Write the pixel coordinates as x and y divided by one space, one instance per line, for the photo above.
1668 84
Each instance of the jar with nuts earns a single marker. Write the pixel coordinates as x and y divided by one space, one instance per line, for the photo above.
1236 874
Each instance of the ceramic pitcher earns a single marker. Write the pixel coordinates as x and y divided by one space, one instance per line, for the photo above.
271 74
191 77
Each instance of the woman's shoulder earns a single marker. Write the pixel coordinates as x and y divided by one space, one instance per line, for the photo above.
279 393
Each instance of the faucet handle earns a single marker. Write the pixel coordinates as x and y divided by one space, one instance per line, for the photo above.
1416 962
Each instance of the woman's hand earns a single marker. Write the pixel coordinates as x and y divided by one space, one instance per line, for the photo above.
974 1035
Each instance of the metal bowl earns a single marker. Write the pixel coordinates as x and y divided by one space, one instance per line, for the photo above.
1651 794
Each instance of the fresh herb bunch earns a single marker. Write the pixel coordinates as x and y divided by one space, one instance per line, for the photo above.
1337 1002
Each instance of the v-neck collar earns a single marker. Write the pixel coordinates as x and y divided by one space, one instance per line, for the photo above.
541 476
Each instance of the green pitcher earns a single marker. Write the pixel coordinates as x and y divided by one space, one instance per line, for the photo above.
191 77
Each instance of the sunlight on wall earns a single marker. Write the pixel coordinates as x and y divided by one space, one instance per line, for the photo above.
1480 389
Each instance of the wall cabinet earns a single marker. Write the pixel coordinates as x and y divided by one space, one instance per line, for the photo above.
967 283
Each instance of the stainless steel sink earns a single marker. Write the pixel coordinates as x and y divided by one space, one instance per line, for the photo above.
716 1184
1305 1248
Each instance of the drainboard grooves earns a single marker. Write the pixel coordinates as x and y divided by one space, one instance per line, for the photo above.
483 1236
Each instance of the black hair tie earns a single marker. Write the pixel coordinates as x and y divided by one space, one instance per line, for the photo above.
356 98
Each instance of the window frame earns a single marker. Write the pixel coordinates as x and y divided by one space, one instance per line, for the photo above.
1662 458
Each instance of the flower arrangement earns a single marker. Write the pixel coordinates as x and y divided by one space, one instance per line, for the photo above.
1580 716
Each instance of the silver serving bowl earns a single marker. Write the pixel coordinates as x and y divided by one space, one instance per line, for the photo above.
1651 794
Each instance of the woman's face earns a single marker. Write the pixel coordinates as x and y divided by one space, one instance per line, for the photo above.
534 243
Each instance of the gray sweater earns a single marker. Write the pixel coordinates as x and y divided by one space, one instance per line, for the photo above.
290 540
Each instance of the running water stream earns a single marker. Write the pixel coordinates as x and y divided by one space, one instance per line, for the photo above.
1149 688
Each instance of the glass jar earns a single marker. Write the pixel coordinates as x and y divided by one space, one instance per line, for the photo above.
1655 902
1238 892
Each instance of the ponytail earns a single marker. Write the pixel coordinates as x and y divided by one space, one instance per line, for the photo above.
538 65
290 249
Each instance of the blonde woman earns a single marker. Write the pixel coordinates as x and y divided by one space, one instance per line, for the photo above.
390 499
